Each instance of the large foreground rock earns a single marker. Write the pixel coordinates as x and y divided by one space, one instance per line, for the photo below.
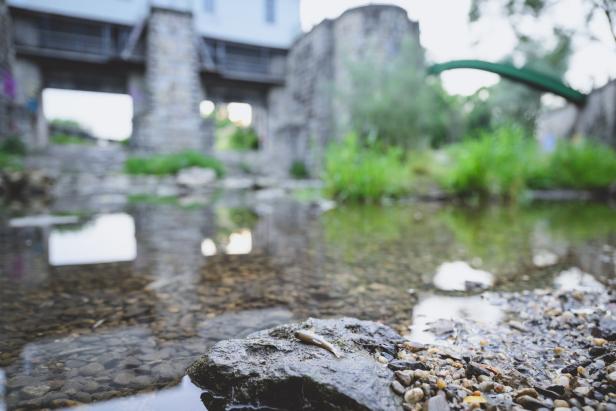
273 368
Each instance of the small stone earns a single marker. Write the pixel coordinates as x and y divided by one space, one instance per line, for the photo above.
530 403
561 404
413 395
486 386
558 351
599 342
437 403
381 359
405 377
35 391
582 391
123 378
397 388
441 384
474 399
92 369
413 346
611 377
530 392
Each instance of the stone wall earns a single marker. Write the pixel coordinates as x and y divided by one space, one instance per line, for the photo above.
173 92
6 72
597 119
305 114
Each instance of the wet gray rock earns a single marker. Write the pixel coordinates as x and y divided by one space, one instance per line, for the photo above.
275 369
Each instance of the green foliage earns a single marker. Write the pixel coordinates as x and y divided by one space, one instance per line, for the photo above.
59 122
299 170
167 164
506 162
494 164
579 165
396 104
10 162
13 145
243 139
356 172
66 139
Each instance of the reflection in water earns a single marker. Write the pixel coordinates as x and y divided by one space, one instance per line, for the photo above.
77 331
575 279
184 397
107 238
459 276
238 243
434 308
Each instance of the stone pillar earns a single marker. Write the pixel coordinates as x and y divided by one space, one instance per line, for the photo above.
172 121
28 117
304 115
7 91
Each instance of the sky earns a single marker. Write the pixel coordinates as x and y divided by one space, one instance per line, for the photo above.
445 34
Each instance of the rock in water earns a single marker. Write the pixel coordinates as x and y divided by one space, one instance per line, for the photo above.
273 368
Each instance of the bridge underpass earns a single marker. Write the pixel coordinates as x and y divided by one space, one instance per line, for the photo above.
166 77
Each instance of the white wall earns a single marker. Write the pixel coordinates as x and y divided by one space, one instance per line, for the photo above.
235 20
244 21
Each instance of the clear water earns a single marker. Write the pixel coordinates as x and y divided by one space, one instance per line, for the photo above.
108 304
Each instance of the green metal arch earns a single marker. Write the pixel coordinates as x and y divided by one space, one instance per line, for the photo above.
532 78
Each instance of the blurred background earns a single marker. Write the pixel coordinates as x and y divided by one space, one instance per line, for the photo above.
178 172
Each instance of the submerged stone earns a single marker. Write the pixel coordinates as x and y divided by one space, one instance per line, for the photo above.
273 368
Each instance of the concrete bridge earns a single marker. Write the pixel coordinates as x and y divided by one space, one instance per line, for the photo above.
169 55
156 52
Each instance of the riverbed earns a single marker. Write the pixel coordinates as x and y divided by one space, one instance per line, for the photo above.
107 303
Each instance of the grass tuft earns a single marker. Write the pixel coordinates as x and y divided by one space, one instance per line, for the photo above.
168 164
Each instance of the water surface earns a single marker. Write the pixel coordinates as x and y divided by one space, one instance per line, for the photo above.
107 306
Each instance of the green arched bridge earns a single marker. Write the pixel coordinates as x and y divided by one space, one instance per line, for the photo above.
532 78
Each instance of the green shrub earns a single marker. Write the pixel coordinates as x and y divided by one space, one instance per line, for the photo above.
356 172
397 103
167 164
580 164
244 139
10 162
66 139
494 164
299 170
13 145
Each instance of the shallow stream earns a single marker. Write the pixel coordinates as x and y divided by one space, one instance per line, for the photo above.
107 304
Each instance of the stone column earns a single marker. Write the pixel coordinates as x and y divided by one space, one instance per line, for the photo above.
6 70
172 121
27 115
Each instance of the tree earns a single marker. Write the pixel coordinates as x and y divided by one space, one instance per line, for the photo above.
517 10
396 103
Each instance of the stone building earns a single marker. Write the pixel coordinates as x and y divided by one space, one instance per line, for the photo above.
305 114
169 55
596 119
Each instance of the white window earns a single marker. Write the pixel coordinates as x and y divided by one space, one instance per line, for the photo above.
209 6
270 11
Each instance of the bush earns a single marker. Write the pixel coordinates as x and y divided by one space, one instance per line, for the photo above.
299 170
494 164
397 103
167 164
357 172
10 162
13 145
244 139
578 165
66 139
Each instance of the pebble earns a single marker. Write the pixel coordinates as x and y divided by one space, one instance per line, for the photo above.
123 378
405 377
582 391
529 402
35 391
437 403
413 395
92 369
558 351
561 404
397 387
611 377
599 342
441 384
530 392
